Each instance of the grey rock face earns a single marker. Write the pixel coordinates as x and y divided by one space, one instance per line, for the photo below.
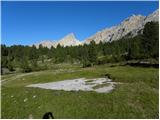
130 25
152 17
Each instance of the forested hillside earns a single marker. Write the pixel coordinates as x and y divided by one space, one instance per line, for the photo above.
26 58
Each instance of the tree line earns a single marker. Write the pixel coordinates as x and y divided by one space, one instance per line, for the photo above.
142 46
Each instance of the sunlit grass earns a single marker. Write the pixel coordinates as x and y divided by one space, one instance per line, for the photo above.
138 98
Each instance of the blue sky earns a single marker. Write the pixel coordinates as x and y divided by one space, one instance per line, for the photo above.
30 22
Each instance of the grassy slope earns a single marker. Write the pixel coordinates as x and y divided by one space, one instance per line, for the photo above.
137 98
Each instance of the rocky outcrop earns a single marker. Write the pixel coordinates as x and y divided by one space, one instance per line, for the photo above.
131 26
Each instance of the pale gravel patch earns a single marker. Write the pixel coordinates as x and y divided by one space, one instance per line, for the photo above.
78 84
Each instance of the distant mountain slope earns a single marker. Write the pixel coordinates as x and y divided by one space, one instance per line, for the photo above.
45 43
132 25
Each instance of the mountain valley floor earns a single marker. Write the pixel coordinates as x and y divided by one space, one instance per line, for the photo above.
137 98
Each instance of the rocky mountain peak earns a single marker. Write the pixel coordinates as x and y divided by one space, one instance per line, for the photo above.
68 37
69 40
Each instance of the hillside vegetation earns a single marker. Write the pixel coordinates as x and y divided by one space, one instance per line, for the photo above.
26 59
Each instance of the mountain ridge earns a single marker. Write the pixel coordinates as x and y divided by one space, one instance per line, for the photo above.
133 24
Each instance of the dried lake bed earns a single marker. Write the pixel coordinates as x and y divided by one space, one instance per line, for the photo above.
99 85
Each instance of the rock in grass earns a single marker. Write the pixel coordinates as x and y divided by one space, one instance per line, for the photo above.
25 99
34 96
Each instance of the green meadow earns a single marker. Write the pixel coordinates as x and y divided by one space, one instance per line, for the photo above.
137 96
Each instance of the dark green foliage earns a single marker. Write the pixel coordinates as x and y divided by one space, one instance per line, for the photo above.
10 66
25 66
4 54
4 61
151 39
86 63
92 55
33 53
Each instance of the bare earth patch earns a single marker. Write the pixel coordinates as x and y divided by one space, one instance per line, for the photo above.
105 85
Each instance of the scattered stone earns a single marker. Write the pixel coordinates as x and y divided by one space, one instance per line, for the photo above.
25 99
34 96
